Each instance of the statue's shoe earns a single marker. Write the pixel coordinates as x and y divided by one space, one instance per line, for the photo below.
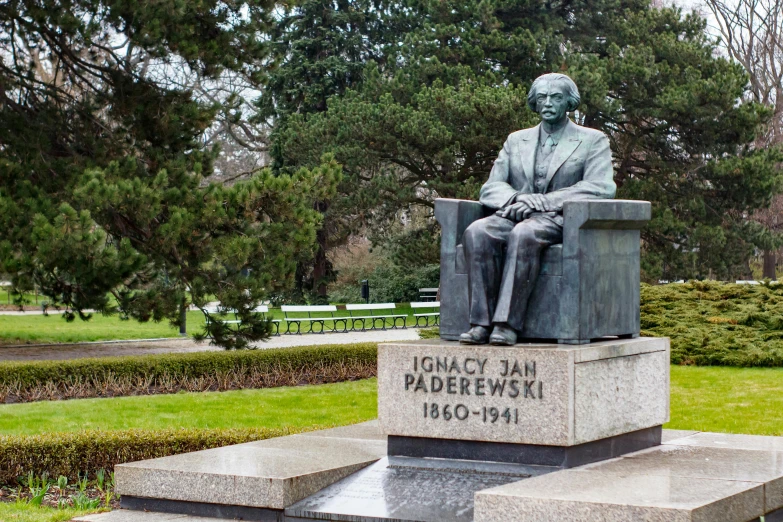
476 335
503 335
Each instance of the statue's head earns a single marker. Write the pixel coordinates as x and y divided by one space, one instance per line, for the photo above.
552 96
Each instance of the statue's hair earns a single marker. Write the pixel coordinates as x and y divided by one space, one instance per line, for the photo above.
572 93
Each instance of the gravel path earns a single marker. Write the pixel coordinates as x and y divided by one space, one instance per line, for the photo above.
119 348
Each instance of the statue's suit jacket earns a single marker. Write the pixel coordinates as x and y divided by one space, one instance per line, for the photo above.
581 168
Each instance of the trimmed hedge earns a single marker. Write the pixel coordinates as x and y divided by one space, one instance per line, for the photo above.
714 323
169 373
711 323
71 453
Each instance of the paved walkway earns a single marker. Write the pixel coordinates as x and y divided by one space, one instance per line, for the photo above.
110 349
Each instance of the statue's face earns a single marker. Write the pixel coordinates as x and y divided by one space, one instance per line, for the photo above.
552 101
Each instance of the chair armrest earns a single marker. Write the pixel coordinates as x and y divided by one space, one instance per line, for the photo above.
454 216
601 249
617 214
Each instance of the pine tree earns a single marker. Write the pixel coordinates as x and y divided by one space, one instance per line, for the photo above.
682 139
431 125
319 49
103 202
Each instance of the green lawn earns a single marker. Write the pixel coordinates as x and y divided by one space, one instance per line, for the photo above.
730 400
734 400
53 328
12 512
329 404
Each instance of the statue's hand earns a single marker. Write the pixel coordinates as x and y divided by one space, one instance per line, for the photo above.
535 201
516 211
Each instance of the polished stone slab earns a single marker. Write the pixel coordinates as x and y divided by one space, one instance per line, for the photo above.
763 467
578 496
407 489
532 393
272 473
695 476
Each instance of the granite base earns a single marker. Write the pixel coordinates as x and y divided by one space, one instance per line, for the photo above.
690 477
530 393
531 454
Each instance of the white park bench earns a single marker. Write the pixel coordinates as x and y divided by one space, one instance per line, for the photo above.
425 316
320 318
214 312
358 312
428 294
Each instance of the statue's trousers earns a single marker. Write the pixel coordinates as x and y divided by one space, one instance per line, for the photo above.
503 260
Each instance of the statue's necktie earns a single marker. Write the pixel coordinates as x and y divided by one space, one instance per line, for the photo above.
549 144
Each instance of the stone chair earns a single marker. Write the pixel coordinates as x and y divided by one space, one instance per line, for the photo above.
588 287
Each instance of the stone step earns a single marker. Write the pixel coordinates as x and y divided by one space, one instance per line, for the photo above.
691 477
700 477
252 481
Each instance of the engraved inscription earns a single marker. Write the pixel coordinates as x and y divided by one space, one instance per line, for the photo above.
461 412
437 376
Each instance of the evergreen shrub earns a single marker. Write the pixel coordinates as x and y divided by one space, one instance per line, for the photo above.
714 323
169 373
70 454
711 323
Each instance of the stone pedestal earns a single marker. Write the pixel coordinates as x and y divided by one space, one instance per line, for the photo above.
486 433
522 397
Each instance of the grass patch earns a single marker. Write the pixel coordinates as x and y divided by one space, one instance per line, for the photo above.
712 323
37 328
53 328
731 400
289 407
727 400
14 512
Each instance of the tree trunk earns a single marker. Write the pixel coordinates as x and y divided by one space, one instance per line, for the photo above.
320 266
183 317
769 265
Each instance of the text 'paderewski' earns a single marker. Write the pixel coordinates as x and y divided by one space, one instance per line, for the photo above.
469 376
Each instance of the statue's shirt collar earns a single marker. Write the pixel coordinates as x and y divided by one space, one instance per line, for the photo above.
543 135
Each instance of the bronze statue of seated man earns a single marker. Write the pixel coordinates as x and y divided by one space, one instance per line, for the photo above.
536 171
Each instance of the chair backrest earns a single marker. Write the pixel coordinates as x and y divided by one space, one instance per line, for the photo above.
428 294
375 306
425 304
309 309
261 309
